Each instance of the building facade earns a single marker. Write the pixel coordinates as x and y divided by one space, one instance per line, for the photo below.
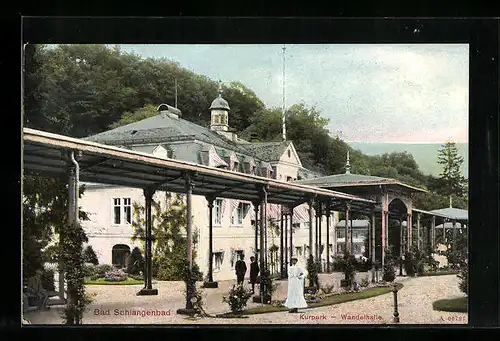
167 135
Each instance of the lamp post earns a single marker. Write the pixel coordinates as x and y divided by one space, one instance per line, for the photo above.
396 314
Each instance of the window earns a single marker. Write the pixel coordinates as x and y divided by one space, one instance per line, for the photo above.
307 224
340 248
237 218
296 225
218 212
298 250
240 210
236 256
355 234
217 260
122 205
289 153
117 210
127 210
340 233
288 178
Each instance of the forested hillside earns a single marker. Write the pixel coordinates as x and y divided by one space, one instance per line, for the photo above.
80 90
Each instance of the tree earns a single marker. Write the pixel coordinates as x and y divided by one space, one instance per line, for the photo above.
168 227
90 256
135 262
452 180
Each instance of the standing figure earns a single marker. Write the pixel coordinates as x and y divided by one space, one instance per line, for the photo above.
254 272
295 298
241 270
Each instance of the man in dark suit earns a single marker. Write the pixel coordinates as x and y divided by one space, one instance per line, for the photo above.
241 270
254 272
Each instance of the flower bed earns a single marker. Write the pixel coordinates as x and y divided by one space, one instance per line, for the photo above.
116 275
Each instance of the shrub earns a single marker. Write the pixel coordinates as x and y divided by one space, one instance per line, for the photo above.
270 286
237 298
464 279
116 275
101 270
175 269
47 279
348 266
89 270
89 256
389 273
135 262
409 264
312 272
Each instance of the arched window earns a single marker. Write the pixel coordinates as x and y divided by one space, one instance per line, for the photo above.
119 255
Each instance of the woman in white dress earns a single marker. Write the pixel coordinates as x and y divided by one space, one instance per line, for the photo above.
295 298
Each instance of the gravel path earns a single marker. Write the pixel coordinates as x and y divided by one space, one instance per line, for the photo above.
415 305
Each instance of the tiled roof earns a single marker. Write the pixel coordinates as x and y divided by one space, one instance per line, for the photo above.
337 179
267 151
163 129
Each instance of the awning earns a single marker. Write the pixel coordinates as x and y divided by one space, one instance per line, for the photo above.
216 160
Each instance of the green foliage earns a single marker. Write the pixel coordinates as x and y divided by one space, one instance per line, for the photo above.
267 283
169 249
414 262
89 255
135 262
312 272
237 298
347 264
451 178
389 274
463 285
74 237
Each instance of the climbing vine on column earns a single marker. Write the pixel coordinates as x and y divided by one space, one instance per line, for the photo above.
72 253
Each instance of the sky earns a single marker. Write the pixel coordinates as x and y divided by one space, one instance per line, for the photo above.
370 93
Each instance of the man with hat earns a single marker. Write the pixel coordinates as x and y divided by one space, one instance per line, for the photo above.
295 298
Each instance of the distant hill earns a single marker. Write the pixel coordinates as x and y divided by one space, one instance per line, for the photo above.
425 154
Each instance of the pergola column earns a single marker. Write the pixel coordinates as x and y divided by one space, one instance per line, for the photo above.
418 231
189 226
400 246
282 261
316 245
320 251
291 233
350 235
148 281
328 216
73 184
310 227
433 232
372 240
210 282
263 219
382 237
256 210
347 237
454 223
285 250
409 228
